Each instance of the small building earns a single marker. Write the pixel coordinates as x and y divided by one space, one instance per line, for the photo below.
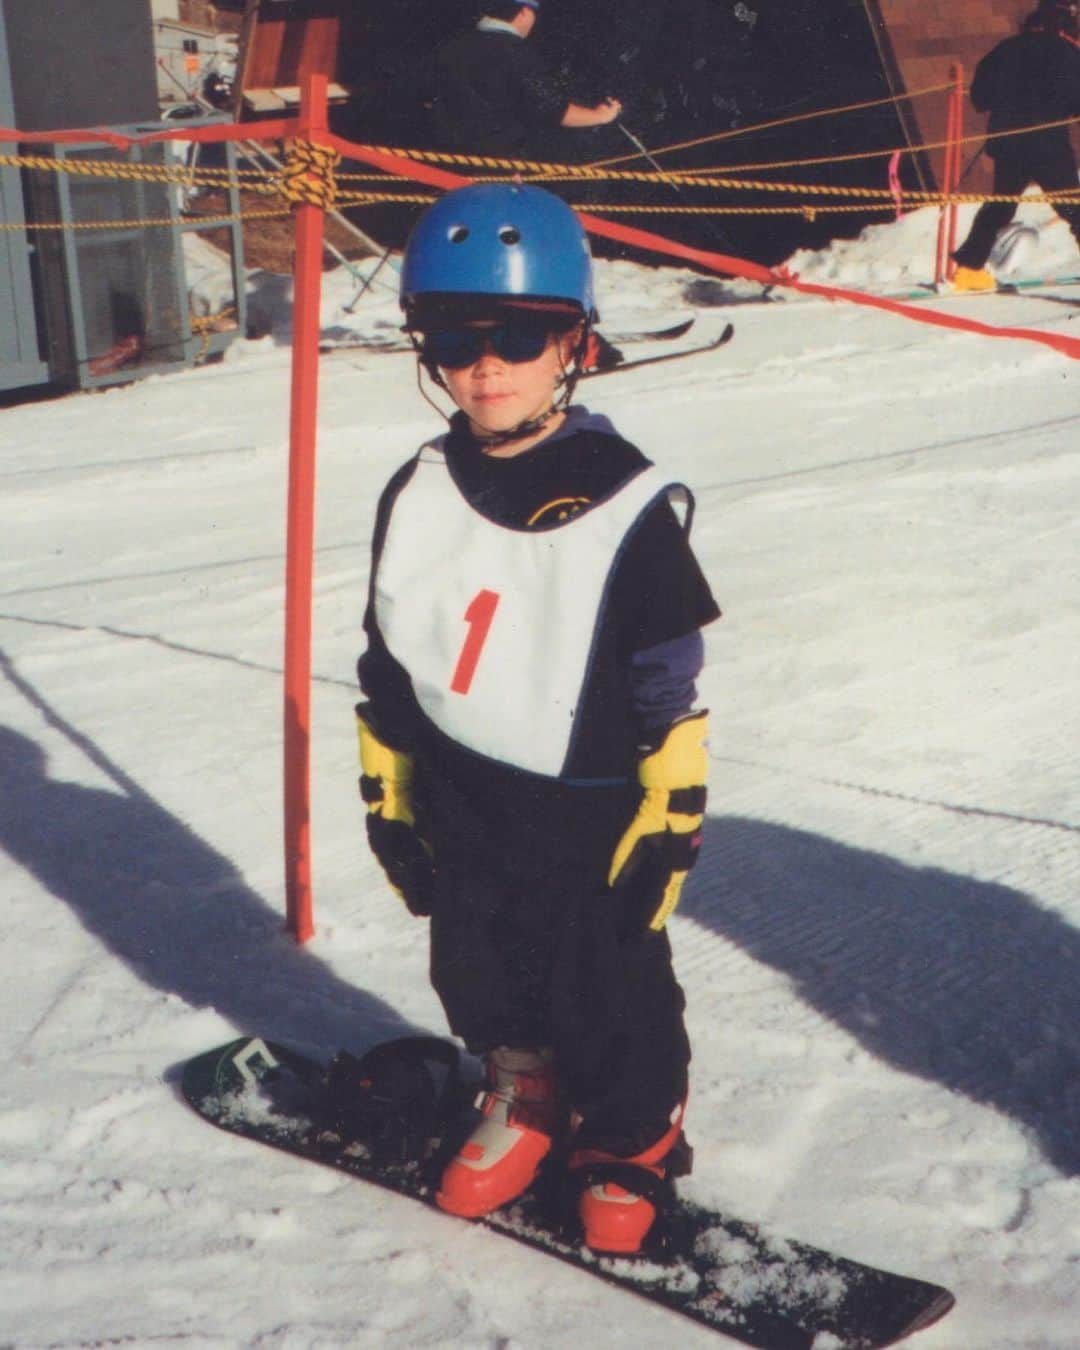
21 359
187 54
92 280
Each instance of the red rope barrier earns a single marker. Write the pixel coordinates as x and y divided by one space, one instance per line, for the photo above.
721 262
278 129
403 167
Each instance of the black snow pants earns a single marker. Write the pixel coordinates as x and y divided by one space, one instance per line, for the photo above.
1046 161
543 962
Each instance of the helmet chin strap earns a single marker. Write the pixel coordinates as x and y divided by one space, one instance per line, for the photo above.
491 440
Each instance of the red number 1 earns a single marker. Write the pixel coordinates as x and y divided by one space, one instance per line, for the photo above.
478 616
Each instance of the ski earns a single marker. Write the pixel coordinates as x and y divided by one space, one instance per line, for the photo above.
1028 288
1072 301
677 330
721 341
357 343
394 1117
352 343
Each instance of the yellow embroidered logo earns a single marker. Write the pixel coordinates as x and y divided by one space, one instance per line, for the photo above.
562 508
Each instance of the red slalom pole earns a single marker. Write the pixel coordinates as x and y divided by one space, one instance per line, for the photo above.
950 175
946 176
307 288
957 73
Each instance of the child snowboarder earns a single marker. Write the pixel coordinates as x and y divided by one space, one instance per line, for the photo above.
532 761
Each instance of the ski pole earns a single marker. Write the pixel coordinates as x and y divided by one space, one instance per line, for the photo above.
366 284
718 234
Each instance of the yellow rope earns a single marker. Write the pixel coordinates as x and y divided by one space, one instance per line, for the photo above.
103 168
810 211
150 173
869 200
871 154
714 176
366 177
308 176
202 327
884 194
480 161
140 223
378 198
777 122
724 182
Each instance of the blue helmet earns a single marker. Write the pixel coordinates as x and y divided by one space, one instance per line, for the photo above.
498 241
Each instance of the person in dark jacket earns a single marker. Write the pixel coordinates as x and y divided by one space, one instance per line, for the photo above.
494 96
1026 81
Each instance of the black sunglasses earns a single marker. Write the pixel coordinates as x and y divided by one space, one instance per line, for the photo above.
513 341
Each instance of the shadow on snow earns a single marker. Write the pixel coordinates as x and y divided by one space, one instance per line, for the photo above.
175 910
965 983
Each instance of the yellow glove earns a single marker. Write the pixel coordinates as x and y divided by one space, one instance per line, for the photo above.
386 786
661 845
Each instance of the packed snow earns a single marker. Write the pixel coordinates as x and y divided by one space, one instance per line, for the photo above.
879 945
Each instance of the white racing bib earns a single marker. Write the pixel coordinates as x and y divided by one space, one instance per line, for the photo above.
495 625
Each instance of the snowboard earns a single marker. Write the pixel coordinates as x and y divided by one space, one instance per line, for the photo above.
722 1272
1032 287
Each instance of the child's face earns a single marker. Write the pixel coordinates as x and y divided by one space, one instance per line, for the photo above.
496 395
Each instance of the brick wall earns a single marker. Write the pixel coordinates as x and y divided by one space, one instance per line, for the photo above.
924 39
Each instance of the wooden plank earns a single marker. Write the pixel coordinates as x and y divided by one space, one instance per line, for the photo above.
287 96
284 43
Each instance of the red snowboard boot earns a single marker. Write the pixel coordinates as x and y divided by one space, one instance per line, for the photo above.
521 1109
616 1218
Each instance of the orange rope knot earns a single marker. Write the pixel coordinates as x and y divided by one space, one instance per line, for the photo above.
308 176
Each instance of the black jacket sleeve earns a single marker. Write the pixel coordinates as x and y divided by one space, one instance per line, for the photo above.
659 590
384 682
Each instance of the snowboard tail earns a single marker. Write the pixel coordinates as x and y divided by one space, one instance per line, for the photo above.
720 1271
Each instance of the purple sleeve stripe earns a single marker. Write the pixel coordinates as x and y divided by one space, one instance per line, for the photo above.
663 680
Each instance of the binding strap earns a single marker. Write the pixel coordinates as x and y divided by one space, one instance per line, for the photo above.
395 1101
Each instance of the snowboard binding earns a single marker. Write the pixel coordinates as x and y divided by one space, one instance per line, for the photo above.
665 1238
396 1102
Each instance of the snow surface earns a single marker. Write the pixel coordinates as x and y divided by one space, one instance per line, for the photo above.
879 946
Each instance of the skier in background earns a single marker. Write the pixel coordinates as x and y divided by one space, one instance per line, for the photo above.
493 96
1029 79
532 760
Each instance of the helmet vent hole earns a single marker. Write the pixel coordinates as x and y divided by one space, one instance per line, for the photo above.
459 233
509 235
